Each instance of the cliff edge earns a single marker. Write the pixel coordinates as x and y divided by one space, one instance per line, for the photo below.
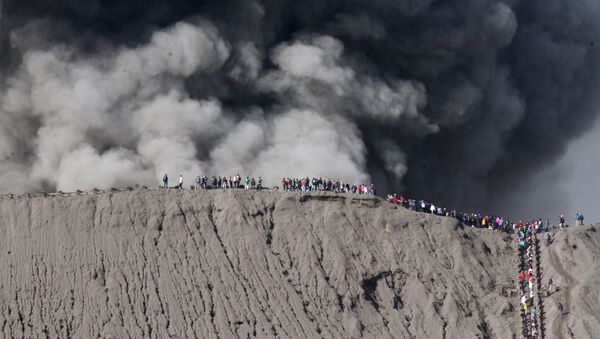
236 263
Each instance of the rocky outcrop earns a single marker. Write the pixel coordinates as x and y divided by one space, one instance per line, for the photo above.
235 263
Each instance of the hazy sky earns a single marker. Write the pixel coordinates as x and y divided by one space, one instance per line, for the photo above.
582 182
567 186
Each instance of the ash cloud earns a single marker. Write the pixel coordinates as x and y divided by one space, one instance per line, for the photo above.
457 102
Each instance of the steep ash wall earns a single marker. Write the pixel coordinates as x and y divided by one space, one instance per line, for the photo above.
571 259
160 264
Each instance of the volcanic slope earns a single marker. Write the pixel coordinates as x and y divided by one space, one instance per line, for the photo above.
573 260
236 263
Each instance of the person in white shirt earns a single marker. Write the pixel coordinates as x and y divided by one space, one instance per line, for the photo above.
180 181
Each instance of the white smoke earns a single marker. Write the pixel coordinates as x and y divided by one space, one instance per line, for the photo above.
247 63
296 143
111 119
84 169
304 143
237 153
314 74
125 118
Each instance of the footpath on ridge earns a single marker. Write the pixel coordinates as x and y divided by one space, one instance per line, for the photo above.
530 304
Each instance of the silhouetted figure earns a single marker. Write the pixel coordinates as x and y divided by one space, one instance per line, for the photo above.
560 308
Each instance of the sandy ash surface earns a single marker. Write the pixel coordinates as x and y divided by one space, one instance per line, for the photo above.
573 260
235 263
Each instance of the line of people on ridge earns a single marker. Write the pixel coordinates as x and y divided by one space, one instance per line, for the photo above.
321 184
497 223
288 184
203 182
235 181
527 276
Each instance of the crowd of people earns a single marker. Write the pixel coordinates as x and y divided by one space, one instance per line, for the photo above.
236 181
320 184
527 277
203 182
526 232
528 256
287 184
307 184
489 221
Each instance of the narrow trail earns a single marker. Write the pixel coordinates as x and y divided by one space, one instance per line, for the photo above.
519 286
530 289
538 288
564 294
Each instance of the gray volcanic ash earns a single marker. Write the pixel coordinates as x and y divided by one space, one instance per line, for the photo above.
244 264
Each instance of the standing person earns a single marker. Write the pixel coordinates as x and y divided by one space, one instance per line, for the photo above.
561 221
577 219
547 224
165 181
180 181
580 219
560 308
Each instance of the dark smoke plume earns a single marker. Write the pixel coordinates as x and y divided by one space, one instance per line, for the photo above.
459 102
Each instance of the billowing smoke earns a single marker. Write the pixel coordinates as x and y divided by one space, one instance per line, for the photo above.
459 102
